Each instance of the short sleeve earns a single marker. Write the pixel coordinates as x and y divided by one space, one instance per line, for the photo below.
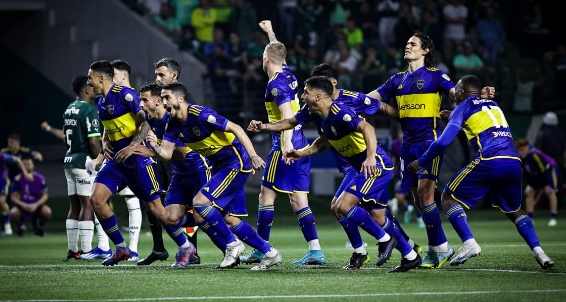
92 123
279 93
303 116
445 82
131 99
347 117
366 104
212 119
172 132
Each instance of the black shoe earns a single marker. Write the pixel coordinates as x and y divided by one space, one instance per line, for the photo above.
154 256
407 265
384 250
356 261
20 232
72 255
39 232
194 259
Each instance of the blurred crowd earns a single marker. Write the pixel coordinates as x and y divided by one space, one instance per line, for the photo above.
364 41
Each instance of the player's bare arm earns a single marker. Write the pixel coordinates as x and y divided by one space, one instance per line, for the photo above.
94 146
389 110
266 26
27 175
108 151
164 151
284 124
58 133
369 165
257 162
319 145
141 133
286 137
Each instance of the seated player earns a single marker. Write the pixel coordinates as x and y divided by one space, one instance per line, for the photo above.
4 185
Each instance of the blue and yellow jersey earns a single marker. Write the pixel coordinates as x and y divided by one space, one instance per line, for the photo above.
418 101
204 131
485 126
193 163
359 102
117 112
282 88
340 127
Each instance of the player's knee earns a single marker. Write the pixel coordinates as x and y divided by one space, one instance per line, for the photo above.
15 213
426 196
447 200
46 212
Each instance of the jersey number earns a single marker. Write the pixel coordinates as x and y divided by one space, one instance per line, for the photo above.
502 122
68 134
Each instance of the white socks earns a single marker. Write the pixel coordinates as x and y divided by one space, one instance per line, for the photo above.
102 237
385 237
135 218
314 245
72 227
86 231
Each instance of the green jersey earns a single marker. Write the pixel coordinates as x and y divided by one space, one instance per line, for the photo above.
80 122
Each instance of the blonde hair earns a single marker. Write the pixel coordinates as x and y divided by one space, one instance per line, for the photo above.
276 52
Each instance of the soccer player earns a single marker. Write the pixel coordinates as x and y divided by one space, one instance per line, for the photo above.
540 172
29 197
4 184
293 179
417 92
15 149
496 169
340 127
222 199
81 133
124 127
190 169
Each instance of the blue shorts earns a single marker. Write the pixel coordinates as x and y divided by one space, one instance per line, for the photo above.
142 181
370 192
4 185
183 188
349 175
409 153
498 177
280 177
548 179
226 191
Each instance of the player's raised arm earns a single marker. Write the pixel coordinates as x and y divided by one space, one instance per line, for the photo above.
266 26
58 133
257 161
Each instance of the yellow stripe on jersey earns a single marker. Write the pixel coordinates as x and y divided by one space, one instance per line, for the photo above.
419 105
194 110
349 145
369 182
334 109
213 143
554 178
538 161
273 77
225 183
153 179
116 88
121 127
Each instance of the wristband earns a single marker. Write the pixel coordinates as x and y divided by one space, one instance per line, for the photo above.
48 128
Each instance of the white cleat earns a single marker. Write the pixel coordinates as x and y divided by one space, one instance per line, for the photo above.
232 255
552 222
268 262
466 252
544 261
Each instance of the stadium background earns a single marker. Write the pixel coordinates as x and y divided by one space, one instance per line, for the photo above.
44 44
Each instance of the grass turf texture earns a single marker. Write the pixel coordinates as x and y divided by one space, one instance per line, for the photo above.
32 268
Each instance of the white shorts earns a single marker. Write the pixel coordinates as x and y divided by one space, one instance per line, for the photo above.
79 182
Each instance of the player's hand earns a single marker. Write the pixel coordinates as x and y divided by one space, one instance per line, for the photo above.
37 156
445 114
257 163
369 167
265 25
151 139
487 92
143 151
255 126
44 126
124 154
288 147
292 155
414 166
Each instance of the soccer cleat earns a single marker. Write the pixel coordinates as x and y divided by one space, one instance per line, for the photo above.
120 254
552 222
384 250
408 214
73 256
182 258
544 261
407 265
268 262
39 232
254 257
443 257
356 261
194 259
96 253
430 259
134 257
232 255
313 257
465 253
420 223
154 256
417 248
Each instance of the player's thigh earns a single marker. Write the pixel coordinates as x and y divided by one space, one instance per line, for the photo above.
408 178
45 212
71 181
236 207
175 211
281 177
143 182
470 184
224 184
369 190
107 182
506 191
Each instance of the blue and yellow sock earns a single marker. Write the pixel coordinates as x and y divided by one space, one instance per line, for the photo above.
110 227
247 234
526 229
459 220
352 232
213 217
214 236
265 215
306 222
187 220
177 234
362 218
434 231
392 218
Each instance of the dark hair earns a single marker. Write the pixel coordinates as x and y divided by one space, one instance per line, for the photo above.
104 67
152 87
14 136
471 83
521 143
170 64
177 89
321 83
426 42
79 82
122 66
325 70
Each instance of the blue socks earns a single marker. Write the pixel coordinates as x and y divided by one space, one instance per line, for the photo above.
213 217
434 231
247 234
362 218
306 222
110 226
352 232
214 236
459 221
176 234
265 215
525 227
